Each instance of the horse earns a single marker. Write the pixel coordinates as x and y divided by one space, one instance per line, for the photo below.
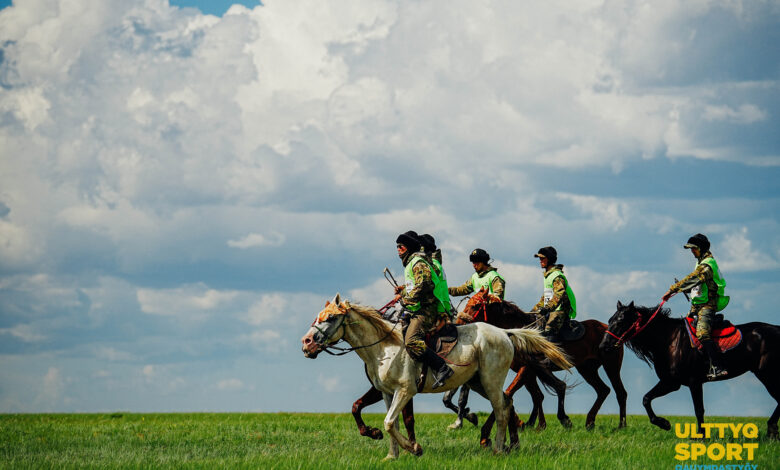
662 342
481 357
584 354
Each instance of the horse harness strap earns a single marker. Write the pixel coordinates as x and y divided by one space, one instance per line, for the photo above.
343 351
637 325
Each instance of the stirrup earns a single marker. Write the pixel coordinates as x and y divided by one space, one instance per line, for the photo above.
716 373
442 377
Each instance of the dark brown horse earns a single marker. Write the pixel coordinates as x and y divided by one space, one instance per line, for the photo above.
584 353
664 343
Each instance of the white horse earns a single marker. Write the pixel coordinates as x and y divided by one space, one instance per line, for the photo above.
483 353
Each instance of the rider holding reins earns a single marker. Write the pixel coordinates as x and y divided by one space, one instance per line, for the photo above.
424 295
558 301
706 287
485 277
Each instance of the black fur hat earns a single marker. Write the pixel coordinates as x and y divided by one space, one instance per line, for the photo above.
479 256
698 241
428 242
549 253
410 240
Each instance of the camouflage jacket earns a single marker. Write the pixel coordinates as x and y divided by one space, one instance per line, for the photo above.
467 288
559 292
701 275
423 287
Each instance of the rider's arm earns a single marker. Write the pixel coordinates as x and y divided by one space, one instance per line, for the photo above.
464 289
698 276
498 287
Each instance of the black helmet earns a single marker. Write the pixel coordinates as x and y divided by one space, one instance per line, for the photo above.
428 243
698 241
549 253
479 256
410 240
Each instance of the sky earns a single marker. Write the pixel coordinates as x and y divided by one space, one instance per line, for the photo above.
183 186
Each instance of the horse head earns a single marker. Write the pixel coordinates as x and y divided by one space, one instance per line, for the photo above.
621 325
476 308
327 327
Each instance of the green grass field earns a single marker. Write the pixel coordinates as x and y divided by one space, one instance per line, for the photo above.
312 441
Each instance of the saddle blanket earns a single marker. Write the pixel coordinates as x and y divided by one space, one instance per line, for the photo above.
726 337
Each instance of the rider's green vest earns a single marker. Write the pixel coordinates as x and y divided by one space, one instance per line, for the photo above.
485 281
440 290
548 292
700 294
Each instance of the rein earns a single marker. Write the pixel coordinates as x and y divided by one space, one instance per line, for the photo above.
343 351
637 325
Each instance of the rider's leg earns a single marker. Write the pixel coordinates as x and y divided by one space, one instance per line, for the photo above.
414 341
703 331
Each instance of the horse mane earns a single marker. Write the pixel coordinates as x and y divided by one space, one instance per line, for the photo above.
385 329
642 349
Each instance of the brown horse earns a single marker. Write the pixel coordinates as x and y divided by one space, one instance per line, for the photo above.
584 354
663 342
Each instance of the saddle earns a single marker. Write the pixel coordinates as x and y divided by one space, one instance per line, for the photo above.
571 330
725 335
441 341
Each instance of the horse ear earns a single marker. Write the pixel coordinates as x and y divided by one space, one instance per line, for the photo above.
620 305
344 306
336 299
327 302
631 305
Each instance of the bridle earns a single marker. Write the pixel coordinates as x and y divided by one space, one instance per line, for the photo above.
635 327
343 325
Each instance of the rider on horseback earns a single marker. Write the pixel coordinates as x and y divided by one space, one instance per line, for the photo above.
557 300
706 287
425 296
485 277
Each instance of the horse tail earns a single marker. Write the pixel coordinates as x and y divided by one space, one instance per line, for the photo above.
529 341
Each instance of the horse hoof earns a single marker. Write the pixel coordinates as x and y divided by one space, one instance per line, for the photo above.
389 458
541 427
455 425
566 423
376 434
472 418
590 426
622 425
417 449
485 443
662 423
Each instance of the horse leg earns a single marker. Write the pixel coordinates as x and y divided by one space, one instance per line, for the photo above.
447 400
523 377
369 398
392 453
660 389
698 402
514 440
590 372
770 381
399 400
463 400
612 368
549 379
408 414
537 397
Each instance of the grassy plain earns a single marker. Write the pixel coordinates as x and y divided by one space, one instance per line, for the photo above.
314 441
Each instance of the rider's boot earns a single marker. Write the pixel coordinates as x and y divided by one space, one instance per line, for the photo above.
716 363
441 371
